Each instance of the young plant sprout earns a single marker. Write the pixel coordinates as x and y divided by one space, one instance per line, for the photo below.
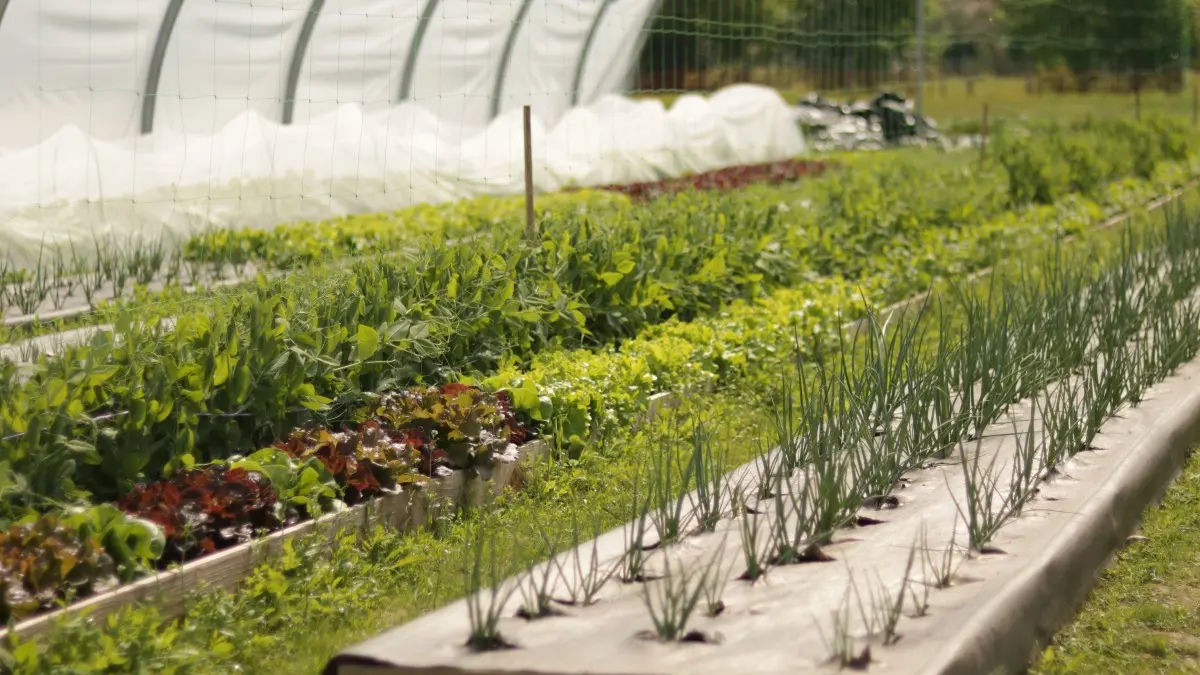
668 487
756 547
842 647
711 480
584 582
987 509
536 588
792 527
1027 469
938 571
715 588
484 614
889 607
632 565
673 600
920 603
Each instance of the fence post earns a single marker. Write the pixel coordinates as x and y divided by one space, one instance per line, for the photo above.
530 223
920 103
983 133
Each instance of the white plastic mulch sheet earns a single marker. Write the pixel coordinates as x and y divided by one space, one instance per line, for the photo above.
73 164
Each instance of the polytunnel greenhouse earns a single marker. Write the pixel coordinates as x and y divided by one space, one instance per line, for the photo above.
120 116
414 337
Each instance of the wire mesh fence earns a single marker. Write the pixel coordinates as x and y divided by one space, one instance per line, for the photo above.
1045 58
116 116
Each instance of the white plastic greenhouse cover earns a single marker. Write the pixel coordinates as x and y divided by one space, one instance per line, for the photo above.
129 116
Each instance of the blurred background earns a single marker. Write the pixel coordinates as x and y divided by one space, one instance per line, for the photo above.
1023 57
145 117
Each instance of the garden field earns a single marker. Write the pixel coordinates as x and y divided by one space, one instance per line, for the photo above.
245 382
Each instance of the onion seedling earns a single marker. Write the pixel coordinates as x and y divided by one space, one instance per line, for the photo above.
583 587
673 600
485 617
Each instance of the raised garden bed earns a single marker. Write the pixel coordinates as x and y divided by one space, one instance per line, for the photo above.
969 526
72 283
418 451
225 569
602 407
408 507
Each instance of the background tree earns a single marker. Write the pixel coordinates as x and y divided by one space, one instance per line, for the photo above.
1143 37
835 42
861 44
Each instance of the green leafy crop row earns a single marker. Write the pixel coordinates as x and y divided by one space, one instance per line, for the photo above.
1054 160
314 347
745 344
304 243
591 391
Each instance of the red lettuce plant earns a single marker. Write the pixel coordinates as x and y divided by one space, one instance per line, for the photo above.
462 426
46 561
206 509
730 178
364 462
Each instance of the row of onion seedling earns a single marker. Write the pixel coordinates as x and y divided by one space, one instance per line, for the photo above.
1072 337
82 276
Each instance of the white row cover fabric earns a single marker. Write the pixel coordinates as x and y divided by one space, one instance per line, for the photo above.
256 173
87 64
76 87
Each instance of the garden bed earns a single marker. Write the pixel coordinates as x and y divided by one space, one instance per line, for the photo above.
416 452
225 569
69 284
586 394
972 548
406 508
996 609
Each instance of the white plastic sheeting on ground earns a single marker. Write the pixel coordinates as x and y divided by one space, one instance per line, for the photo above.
367 132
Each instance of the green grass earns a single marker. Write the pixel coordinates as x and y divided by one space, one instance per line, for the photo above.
1144 616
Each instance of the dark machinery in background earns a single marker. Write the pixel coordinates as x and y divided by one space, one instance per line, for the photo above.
884 121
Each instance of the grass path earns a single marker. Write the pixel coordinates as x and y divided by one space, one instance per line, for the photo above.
1144 616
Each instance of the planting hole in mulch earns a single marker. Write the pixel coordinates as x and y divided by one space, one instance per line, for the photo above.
702 637
641 578
692 636
881 502
811 554
752 578
860 662
494 644
546 613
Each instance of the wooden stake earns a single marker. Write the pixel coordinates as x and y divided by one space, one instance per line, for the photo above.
530 223
983 131
1195 104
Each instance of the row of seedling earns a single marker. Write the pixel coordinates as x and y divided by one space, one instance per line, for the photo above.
108 268
1072 338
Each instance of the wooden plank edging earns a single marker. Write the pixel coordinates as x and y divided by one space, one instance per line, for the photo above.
408 509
